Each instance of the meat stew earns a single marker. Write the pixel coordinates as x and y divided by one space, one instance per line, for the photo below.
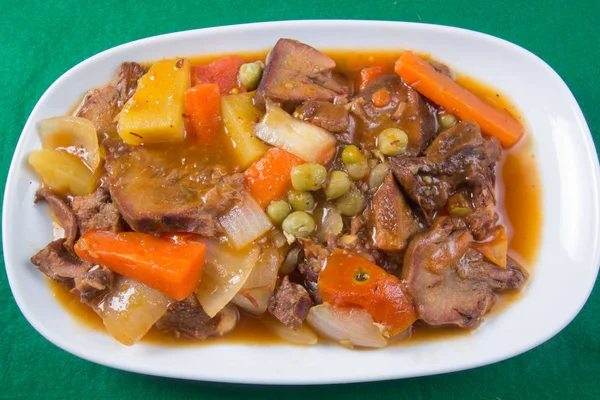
262 196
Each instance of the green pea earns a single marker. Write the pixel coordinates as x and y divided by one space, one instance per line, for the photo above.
338 184
351 204
299 224
377 175
308 177
392 142
301 201
250 74
358 171
351 155
446 121
278 210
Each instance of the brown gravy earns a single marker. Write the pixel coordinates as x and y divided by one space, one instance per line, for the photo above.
519 198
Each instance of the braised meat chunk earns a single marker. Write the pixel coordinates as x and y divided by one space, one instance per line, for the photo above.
450 283
62 211
187 319
290 303
64 267
101 105
391 220
96 211
296 72
153 195
331 117
404 108
458 158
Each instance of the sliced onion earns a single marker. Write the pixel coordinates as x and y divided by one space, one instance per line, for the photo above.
301 138
130 309
73 134
304 335
255 294
352 326
225 272
245 222
291 261
329 220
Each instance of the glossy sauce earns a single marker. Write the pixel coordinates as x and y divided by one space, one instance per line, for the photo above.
519 199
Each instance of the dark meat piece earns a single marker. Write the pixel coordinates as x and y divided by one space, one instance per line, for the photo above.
315 256
187 319
407 110
459 157
482 218
64 267
127 80
155 193
450 283
63 213
296 72
95 282
96 211
102 105
391 220
290 303
331 117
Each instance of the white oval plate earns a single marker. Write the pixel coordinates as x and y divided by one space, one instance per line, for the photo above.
563 279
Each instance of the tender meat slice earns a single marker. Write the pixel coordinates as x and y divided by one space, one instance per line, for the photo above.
296 72
332 117
187 319
290 303
459 157
155 192
96 211
391 220
96 281
64 267
62 211
101 105
406 110
483 217
450 283
315 256
127 80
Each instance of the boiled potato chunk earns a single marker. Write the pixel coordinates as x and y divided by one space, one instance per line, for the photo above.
63 172
239 117
155 112
78 135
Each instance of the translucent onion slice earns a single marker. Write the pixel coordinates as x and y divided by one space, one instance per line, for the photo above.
349 326
74 135
245 222
255 294
303 139
130 309
304 335
225 272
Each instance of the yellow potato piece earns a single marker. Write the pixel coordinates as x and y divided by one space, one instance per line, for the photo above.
239 118
63 172
154 113
73 133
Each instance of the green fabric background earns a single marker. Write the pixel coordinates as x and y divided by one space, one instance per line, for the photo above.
39 42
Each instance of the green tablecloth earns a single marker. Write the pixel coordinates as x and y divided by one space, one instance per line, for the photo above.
38 42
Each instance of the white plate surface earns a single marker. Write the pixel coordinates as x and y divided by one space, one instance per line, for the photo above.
566 270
